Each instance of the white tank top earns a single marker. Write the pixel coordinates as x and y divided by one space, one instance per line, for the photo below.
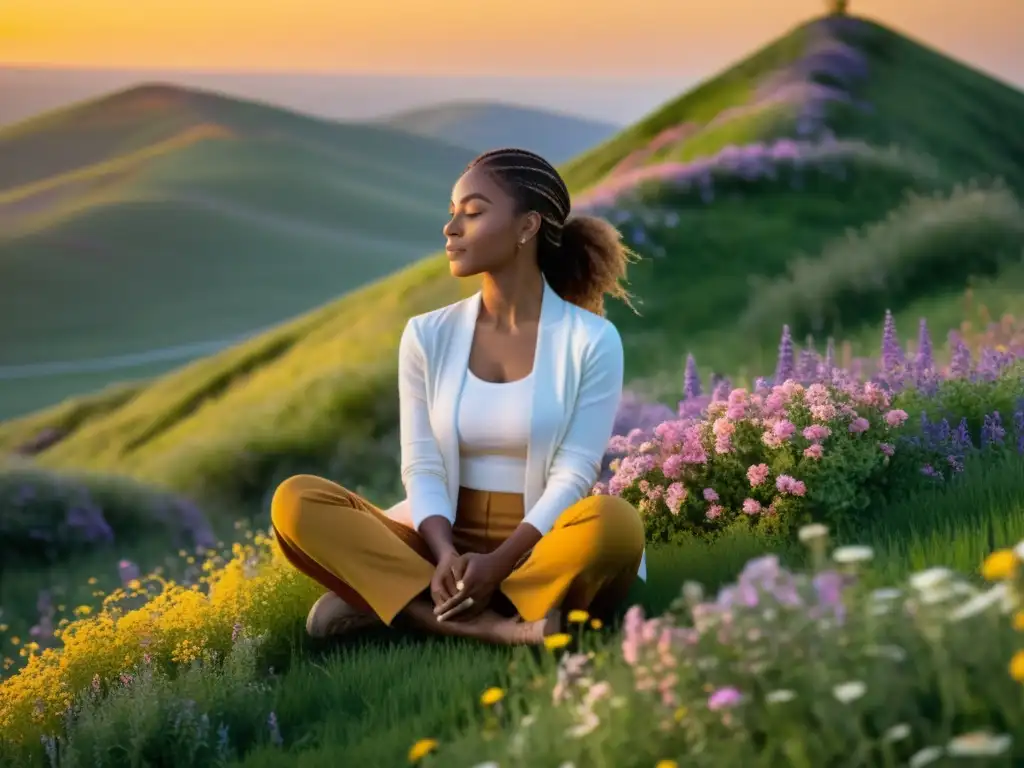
494 433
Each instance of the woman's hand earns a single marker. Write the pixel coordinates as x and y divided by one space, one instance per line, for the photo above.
442 584
477 577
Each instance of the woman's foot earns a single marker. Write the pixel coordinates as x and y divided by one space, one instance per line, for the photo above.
330 615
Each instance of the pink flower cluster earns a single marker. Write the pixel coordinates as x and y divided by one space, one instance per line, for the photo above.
695 464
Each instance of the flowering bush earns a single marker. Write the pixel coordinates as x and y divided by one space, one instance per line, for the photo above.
47 516
819 445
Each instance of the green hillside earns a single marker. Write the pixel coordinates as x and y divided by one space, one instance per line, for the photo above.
161 216
724 215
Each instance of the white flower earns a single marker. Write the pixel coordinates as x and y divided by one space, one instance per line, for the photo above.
587 725
930 578
979 744
924 757
892 652
853 554
980 603
897 732
937 595
851 691
780 696
811 532
488 764
1019 550
886 594
693 592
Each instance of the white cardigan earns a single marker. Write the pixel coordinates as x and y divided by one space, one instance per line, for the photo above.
578 371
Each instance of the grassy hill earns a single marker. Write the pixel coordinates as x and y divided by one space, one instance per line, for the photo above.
803 153
160 217
482 125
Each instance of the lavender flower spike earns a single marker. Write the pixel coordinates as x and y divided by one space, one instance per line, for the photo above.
925 355
691 379
785 367
892 354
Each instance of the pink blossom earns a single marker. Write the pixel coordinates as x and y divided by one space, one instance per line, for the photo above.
784 429
790 485
887 448
817 432
724 698
858 425
675 497
710 495
896 417
774 403
815 451
751 506
757 474
817 394
823 412
655 492
714 512
770 439
672 467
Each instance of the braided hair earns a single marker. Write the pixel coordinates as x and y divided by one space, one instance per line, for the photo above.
582 257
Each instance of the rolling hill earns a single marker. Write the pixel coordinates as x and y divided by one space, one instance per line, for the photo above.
481 125
159 217
804 153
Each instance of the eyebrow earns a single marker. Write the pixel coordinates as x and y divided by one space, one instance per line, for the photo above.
474 196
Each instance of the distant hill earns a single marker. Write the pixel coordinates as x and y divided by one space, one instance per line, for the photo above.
481 125
160 216
784 176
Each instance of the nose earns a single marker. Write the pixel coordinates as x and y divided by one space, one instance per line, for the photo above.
451 229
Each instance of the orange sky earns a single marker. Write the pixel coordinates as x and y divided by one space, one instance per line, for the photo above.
466 37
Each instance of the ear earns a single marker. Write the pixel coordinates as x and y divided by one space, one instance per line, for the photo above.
529 226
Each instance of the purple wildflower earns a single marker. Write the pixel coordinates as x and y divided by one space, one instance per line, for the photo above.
925 357
784 368
691 379
892 354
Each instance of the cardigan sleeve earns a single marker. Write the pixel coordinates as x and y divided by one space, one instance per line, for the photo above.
577 461
423 470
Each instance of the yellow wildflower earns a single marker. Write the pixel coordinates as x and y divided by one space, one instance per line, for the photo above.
596 624
492 696
578 617
679 714
134 584
3 627
1017 666
1018 621
92 580
421 749
1000 565
554 642
15 640
667 764
83 610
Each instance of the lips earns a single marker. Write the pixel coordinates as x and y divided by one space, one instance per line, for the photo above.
453 250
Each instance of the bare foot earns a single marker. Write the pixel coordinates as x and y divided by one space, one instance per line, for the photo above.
487 626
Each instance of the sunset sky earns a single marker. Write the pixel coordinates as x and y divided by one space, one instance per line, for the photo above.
467 37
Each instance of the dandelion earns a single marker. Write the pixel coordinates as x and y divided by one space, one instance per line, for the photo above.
1000 565
853 554
557 641
578 617
1017 666
421 749
492 696
849 692
1018 621
666 764
596 624
979 744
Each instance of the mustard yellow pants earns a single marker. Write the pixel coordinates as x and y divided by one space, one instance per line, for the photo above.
587 561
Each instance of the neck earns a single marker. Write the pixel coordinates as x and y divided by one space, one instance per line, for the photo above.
512 297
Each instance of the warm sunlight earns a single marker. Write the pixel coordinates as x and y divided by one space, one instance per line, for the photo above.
459 36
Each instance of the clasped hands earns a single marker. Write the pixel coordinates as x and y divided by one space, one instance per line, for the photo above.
462 585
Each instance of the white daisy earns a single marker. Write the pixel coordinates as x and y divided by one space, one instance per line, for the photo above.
848 692
811 532
979 744
853 554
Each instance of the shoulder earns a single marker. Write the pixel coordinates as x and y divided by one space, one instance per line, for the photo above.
593 332
428 325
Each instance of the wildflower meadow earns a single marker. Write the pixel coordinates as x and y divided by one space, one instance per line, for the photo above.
811 574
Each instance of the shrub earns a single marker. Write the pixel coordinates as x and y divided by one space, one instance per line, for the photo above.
929 241
49 516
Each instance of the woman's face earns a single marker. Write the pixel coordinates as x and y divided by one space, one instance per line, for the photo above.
484 233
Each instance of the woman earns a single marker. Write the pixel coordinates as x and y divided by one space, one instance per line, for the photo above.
507 404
